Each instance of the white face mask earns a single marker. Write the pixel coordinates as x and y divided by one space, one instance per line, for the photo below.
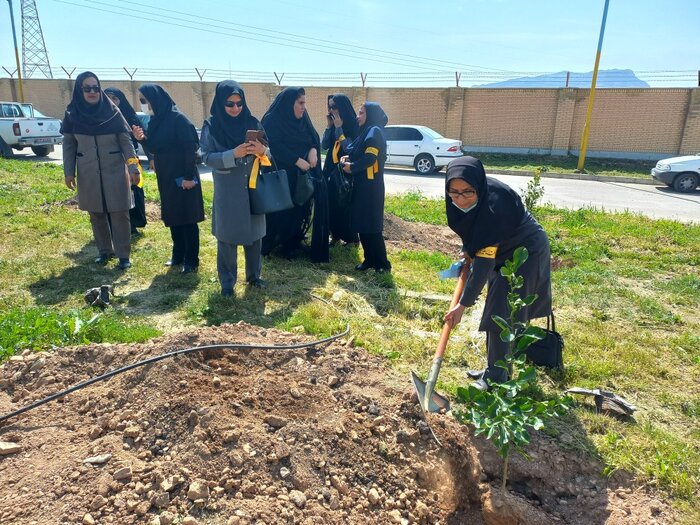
466 210
147 110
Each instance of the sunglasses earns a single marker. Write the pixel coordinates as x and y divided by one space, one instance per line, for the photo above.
142 101
465 193
231 104
94 89
332 106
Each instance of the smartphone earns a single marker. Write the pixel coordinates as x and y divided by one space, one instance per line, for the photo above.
256 134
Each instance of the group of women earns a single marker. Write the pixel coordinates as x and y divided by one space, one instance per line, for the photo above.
488 216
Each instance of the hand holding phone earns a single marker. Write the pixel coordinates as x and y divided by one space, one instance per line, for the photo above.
256 134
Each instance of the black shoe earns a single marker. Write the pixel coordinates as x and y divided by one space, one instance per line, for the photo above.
362 267
124 264
227 292
189 269
476 374
481 384
257 283
170 262
102 259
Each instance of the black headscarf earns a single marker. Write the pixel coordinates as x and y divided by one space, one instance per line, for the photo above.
351 129
497 214
227 130
84 118
279 121
168 127
126 109
371 131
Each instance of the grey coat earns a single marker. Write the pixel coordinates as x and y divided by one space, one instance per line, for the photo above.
102 175
231 220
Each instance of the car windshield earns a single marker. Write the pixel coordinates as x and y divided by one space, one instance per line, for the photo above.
431 133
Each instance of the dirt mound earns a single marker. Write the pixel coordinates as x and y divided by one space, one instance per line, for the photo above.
322 435
413 235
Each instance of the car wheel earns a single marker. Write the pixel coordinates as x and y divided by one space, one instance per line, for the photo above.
41 151
686 182
424 164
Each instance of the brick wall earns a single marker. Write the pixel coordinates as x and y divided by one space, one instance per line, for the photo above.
634 123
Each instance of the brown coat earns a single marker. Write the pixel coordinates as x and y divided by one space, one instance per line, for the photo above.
102 176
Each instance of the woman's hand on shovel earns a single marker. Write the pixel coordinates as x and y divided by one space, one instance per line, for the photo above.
454 316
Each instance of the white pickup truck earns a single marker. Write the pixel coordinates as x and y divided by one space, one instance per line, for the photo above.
22 126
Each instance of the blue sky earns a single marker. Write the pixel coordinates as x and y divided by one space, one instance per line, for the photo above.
390 37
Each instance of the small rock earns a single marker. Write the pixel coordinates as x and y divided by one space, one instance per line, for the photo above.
88 519
98 502
166 518
122 473
132 432
7 447
189 520
422 509
231 436
162 500
98 460
284 472
298 498
332 381
216 382
142 508
295 393
38 364
395 516
199 489
373 496
373 409
276 421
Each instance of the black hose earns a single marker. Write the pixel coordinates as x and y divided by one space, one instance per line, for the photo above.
165 356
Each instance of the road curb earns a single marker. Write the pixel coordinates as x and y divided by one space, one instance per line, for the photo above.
575 176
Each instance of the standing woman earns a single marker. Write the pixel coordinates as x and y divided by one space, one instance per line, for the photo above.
97 142
295 146
339 105
137 214
366 165
492 222
173 142
225 150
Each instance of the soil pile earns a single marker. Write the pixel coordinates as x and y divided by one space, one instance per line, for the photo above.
322 435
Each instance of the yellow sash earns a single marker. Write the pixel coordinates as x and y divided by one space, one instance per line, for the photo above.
336 149
374 168
255 169
135 161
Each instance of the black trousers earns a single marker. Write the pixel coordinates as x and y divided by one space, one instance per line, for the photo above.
185 244
375 251
496 350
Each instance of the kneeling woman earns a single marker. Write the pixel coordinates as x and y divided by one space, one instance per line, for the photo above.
492 222
226 151
366 165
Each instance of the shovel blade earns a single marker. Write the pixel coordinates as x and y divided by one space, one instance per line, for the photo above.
435 403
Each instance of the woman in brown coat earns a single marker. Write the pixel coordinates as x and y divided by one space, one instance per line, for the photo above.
97 143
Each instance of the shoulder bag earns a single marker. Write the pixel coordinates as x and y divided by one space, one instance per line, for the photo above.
268 192
547 352
342 186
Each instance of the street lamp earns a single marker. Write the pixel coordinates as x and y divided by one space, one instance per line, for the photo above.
14 38
589 112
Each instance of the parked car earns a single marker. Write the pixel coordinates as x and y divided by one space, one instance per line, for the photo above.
145 119
421 147
681 173
22 126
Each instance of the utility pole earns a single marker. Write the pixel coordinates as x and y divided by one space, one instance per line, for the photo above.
14 38
591 96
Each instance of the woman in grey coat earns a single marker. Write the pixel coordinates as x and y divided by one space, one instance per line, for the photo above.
233 158
97 144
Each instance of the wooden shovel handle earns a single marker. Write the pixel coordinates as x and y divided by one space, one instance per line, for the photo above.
446 327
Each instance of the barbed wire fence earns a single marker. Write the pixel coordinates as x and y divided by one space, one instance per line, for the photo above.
544 79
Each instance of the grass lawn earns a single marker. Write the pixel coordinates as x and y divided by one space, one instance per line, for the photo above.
626 298
567 164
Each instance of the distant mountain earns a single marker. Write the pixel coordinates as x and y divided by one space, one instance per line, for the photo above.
609 78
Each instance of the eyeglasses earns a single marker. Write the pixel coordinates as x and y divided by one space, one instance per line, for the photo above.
142 101
465 193
94 89
231 103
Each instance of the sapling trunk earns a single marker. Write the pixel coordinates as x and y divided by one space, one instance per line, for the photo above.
505 472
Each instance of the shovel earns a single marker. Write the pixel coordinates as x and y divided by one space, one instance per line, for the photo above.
431 401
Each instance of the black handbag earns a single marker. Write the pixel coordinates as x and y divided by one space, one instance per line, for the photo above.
304 189
342 186
547 352
269 192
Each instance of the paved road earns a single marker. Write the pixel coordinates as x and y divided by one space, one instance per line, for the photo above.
653 201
